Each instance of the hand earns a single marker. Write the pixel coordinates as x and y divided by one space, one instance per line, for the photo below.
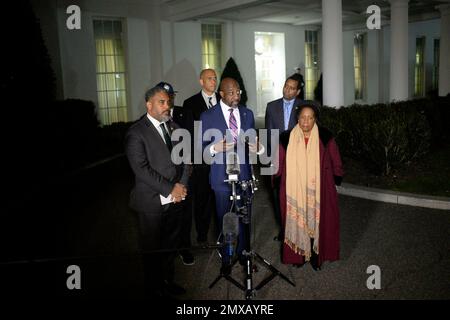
179 192
254 147
222 146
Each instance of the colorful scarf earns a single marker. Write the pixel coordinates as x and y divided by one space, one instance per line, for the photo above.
303 192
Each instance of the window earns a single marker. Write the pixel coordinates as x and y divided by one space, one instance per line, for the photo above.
311 63
419 74
212 47
435 84
111 72
359 63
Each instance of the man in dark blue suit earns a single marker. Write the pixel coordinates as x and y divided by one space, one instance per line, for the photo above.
280 115
230 119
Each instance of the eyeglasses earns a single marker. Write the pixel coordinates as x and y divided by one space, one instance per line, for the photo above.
232 93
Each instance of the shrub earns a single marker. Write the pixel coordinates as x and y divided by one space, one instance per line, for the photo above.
382 136
231 70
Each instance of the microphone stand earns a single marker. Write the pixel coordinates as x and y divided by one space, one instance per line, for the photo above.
244 213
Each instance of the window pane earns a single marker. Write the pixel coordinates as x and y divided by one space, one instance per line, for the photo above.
103 115
122 113
118 50
121 98
119 64
112 101
110 65
99 46
102 102
101 82
107 29
120 81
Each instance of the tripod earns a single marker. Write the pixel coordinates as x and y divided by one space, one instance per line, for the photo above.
244 214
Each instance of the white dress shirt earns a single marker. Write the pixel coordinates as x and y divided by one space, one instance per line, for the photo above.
226 114
156 124
206 98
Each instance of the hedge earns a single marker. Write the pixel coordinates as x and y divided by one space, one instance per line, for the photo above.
387 136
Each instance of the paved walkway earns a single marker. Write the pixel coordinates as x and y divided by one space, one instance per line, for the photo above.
88 217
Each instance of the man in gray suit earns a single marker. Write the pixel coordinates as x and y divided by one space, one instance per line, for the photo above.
280 115
160 187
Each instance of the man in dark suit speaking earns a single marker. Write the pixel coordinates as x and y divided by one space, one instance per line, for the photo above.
229 119
160 186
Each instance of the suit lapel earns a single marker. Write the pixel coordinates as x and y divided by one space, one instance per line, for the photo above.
280 115
219 115
244 120
202 102
292 119
156 137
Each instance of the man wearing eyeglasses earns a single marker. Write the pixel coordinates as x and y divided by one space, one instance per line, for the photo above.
231 119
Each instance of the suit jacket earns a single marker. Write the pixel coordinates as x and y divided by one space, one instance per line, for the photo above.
275 117
197 104
214 119
153 168
183 117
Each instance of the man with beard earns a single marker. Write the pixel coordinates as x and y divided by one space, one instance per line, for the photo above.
231 119
160 187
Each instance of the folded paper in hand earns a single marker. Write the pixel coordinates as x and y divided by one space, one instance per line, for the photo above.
167 200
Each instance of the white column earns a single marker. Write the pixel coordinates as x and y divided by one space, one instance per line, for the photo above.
333 63
228 33
444 53
398 79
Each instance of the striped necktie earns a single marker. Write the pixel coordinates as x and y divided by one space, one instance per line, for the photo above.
233 125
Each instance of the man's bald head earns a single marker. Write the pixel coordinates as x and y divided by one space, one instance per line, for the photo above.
230 92
208 81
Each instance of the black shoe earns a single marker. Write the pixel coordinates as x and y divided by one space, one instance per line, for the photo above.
315 261
173 289
314 257
187 258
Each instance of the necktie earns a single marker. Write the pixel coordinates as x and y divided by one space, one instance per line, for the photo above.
166 137
286 115
210 105
233 125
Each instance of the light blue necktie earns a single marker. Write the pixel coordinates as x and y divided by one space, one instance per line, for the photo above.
286 115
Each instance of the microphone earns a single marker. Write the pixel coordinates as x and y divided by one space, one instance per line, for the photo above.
230 232
233 164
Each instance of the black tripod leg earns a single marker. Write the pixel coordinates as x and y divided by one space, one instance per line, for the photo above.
249 291
275 272
215 281
233 281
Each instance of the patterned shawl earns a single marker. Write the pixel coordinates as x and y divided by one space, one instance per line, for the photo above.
303 192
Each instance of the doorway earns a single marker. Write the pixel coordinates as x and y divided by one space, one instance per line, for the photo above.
270 68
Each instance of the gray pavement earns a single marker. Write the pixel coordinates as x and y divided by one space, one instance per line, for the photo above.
96 229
